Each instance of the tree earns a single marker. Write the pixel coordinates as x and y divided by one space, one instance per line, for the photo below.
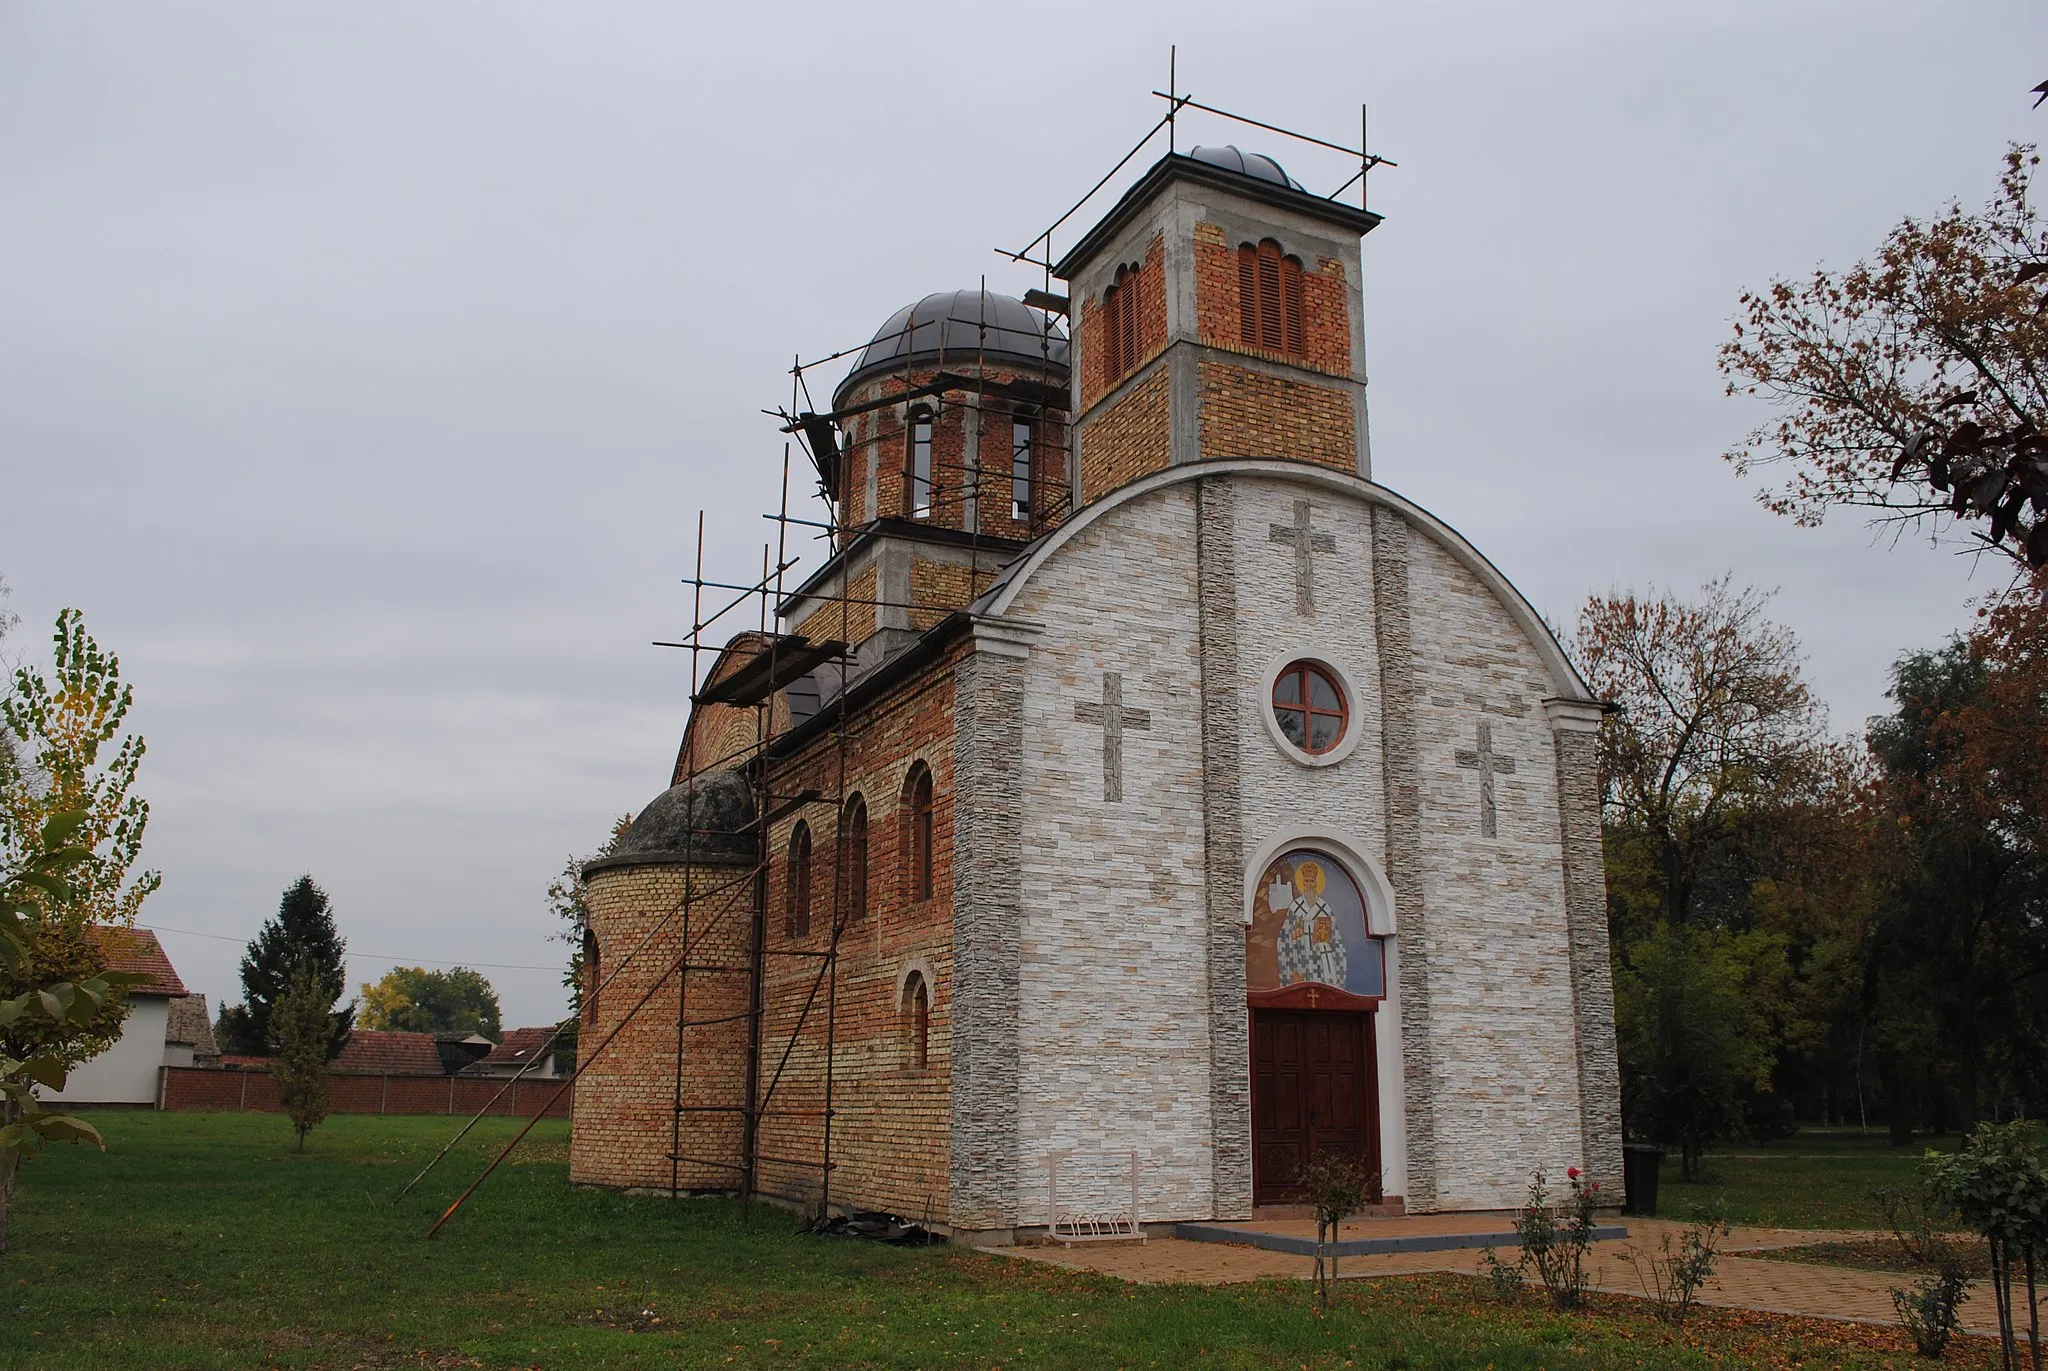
301 1031
1716 743
57 729
302 933
566 897
1690 1036
1914 384
412 999
26 887
1714 728
1964 935
60 726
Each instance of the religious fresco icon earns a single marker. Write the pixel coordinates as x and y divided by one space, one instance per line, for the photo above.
1308 930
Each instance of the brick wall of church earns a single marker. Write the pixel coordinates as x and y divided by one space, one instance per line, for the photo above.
1127 439
850 620
892 1119
1248 413
626 1095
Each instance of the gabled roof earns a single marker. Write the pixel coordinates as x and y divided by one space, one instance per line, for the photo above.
137 952
518 1048
189 1024
381 1052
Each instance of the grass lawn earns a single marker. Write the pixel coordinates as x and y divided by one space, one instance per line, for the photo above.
204 1241
1818 1178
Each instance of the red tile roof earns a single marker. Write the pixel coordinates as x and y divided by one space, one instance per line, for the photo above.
377 1052
136 951
518 1047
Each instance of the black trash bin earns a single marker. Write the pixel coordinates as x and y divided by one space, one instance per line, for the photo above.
1639 1163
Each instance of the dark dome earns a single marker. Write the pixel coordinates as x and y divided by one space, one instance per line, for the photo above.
958 324
1254 164
719 805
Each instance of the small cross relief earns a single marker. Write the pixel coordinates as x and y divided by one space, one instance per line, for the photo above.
1306 542
1488 764
1114 719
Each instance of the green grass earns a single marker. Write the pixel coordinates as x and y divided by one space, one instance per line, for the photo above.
1818 1178
205 1241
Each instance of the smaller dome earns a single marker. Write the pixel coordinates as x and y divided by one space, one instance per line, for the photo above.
958 326
718 806
1253 164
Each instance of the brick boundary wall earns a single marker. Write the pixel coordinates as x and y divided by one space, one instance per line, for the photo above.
229 1090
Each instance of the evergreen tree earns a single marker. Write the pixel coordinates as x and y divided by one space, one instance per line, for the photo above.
302 934
299 1034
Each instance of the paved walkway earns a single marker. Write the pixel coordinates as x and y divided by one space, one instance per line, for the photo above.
1779 1287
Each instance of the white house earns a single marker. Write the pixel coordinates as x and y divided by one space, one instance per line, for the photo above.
128 1072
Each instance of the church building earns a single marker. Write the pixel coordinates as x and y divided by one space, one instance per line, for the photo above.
1139 797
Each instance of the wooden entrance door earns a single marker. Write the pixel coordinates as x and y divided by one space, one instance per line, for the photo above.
1314 1089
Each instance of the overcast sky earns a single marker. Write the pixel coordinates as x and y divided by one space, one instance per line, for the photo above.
363 366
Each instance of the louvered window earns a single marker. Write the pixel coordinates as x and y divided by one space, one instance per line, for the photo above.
1269 299
1120 323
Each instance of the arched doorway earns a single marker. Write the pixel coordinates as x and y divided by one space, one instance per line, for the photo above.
1315 976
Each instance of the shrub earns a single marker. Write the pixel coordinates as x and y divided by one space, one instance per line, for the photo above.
1555 1238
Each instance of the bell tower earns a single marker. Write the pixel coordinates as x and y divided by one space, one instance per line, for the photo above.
1216 313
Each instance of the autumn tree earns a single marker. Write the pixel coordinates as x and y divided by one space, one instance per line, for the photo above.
303 933
1964 953
301 1028
1914 384
1714 739
412 999
60 729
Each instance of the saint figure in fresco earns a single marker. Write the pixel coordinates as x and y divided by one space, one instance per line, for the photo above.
1309 946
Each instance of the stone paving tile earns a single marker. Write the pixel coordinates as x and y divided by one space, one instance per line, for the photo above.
1801 1288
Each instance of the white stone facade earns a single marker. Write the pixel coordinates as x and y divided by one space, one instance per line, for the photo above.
1115 1019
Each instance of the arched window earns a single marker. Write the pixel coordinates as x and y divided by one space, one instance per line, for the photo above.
1022 430
917 466
799 888
917 1015
1269 299
917 834
853 860
591 979
1309 706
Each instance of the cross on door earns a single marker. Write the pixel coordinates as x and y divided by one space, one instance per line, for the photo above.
1114 719
1306 543
1487 762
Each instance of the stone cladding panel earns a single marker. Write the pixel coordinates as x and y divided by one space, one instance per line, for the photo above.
1585 880
891 1125
988 886
1248 413
1502 1010
1114 998
1223 716
1219 313
1393 621
1127 439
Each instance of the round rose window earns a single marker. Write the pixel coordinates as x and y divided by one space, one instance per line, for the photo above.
1309 706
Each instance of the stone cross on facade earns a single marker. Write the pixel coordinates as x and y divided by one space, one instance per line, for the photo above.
1487 763
1114 719
1306 543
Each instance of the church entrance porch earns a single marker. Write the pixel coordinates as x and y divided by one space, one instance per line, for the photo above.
1314 1089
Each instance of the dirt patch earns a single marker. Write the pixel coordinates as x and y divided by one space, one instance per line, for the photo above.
1873 1254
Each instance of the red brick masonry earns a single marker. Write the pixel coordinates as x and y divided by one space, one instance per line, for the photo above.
212 1090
